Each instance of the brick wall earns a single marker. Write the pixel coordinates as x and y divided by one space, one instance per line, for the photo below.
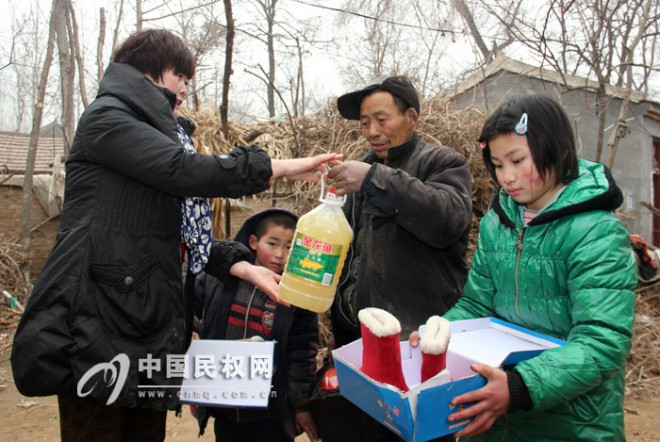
43 238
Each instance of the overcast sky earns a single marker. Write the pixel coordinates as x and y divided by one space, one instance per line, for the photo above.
322 69
324 76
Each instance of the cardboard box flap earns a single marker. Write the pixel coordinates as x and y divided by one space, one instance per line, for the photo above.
493 342
432 403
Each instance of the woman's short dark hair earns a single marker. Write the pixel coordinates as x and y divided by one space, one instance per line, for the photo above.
153 51
549 135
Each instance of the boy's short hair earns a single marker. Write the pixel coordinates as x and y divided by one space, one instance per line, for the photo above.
153 51
280 219
549 135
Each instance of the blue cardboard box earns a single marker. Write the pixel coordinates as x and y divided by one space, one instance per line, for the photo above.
421 413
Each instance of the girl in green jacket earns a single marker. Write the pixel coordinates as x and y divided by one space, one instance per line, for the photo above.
551 257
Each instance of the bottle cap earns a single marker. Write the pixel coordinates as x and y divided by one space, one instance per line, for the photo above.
332 198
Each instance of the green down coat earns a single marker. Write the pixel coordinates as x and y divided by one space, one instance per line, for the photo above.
569 274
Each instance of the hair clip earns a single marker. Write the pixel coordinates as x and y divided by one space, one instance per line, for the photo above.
521 127
483 144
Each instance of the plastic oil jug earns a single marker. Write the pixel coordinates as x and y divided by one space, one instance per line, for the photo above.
317 255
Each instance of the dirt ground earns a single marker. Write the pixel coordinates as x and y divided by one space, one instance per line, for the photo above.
24 419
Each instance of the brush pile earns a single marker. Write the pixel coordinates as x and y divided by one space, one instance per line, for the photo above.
327 132
643 365
14 288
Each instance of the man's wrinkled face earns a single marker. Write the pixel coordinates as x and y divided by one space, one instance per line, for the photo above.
383 124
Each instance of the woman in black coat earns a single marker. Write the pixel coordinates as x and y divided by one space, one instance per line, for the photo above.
105 325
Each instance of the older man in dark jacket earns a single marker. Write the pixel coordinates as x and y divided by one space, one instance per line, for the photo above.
409 203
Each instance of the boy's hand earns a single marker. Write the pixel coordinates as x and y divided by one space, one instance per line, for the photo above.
263 278
413 339
305 422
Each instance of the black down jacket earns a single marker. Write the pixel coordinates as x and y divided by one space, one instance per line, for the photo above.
111 290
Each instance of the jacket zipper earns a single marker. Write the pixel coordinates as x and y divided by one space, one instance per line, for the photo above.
521 232
245 330
347 266
247 312
506 427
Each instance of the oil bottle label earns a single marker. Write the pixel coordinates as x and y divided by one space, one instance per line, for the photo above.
313 259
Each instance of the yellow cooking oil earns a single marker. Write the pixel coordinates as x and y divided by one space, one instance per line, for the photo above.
317 255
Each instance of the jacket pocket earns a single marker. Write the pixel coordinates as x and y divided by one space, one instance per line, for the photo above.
132 300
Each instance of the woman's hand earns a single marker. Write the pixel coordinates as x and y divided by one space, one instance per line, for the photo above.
263 278
301 168
491 401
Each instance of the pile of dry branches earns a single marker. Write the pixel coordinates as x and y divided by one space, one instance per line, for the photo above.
13 264
327 131
643 365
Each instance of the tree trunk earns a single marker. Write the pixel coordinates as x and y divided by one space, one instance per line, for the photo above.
26 210
115 34
67 70
75 44
465 13
602 103
270 18
138 15
298 87
99 45
621 128
226 80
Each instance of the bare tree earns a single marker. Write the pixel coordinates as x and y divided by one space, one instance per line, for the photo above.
62 13
115 34
99 45
390 37
26 48
267 10
626 78
139 19
226 78
475 31
610 41
26 210
286 40
297 83
203 33
295 38
74 38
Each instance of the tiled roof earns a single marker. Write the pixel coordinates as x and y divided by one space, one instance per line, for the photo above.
14 149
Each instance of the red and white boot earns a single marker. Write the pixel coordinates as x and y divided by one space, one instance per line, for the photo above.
434 346
381 351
